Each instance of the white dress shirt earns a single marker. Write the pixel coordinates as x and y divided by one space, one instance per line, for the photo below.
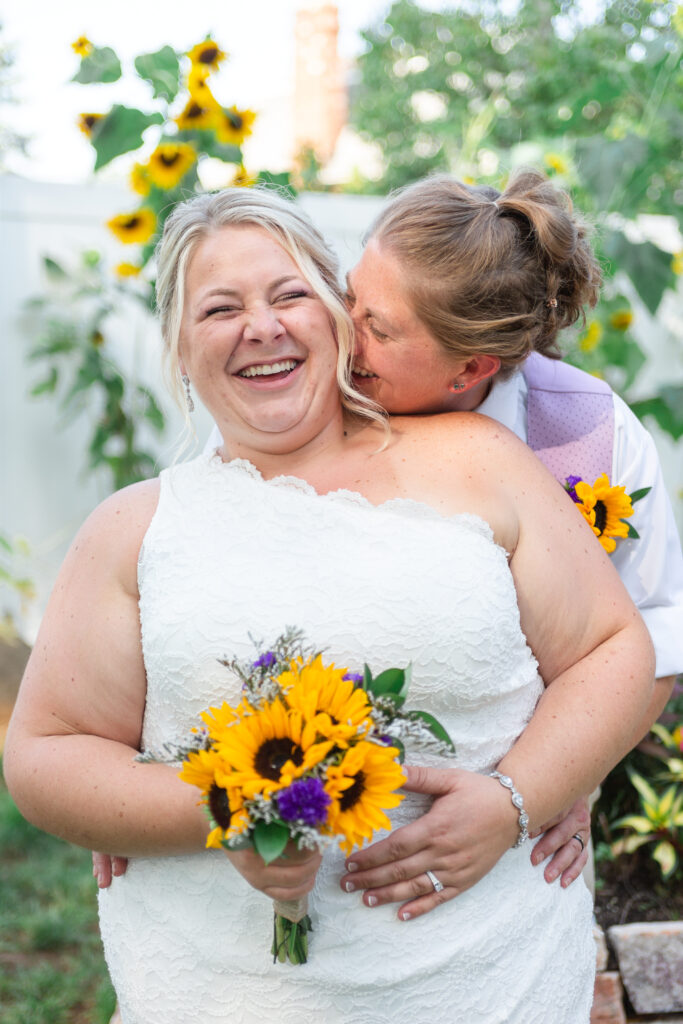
651 567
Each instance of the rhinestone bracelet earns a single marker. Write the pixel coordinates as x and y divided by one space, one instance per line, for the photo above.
518 801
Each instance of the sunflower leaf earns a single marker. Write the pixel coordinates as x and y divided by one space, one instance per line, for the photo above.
434 726
162 71
390 682
101 65
270 840
637 495
632 532
224 151
120 132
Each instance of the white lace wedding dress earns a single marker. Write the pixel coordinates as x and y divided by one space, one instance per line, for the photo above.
186 938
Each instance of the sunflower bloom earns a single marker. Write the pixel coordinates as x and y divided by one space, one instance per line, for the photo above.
233 125
225 804
82 46
242 178
169 163
195 115
362 788
604 508
591 338
556 163
622 319
198 88
207 55
338 709
134 227
139 180
677 263
88 122
266 751
127 270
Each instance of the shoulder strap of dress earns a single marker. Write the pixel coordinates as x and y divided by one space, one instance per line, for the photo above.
570 419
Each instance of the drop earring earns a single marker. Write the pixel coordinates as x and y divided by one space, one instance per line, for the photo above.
188 396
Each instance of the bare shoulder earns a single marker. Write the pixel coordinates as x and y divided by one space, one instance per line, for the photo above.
113 533
460 435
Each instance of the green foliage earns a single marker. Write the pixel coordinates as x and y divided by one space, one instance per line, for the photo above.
162 71
100 65
53 970
120 132
70 325
482 88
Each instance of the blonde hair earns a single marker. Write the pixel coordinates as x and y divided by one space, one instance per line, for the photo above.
192 221
490 272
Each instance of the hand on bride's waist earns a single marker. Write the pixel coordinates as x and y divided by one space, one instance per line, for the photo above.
289 877
471 823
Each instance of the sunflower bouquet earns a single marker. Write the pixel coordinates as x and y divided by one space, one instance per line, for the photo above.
311 753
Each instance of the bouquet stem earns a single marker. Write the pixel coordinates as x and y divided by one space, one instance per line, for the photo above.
290 931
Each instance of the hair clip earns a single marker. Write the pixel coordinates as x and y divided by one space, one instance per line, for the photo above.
552 303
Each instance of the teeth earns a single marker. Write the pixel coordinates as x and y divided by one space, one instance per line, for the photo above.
360 372
266 370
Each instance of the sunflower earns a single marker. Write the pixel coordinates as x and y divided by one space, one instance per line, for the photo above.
604 509
591 338
242 178
556 162
88 122
198 88
362 787
338 709
267 750
139 180
134 227
207 55
622 319
82 46
169 163
196 115
677 263
127 270
225 804
233 125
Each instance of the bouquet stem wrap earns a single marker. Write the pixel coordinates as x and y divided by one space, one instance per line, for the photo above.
290 931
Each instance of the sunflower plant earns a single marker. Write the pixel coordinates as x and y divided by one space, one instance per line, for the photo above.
310 754
184 124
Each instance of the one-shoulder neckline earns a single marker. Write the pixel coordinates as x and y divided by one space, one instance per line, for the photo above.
420 509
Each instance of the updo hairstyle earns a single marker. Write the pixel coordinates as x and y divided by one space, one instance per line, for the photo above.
265 208
490 272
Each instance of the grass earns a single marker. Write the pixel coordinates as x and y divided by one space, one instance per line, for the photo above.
52 968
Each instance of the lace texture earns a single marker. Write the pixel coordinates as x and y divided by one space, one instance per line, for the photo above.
229 555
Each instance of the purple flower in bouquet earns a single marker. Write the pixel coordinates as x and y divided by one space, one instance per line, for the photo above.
266 661
569 486
305 800
354 677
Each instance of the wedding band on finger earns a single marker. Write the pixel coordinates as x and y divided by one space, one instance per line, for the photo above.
579 840
438 886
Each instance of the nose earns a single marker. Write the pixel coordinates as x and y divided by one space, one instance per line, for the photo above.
262 323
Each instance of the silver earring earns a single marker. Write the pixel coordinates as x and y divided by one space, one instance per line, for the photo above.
457 386
188 397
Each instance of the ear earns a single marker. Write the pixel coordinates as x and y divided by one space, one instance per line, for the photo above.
477 369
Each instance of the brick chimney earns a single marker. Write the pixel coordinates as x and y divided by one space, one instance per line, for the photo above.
320 99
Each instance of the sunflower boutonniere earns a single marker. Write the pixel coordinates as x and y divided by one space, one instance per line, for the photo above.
605 508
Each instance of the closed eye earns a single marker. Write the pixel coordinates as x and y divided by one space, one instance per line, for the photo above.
292 295
377 333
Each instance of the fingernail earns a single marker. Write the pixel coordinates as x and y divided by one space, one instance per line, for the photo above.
372 901
352 866
406 915
536 858
349 886
551 875
98 876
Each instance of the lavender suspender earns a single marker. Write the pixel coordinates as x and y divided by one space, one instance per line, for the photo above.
570 419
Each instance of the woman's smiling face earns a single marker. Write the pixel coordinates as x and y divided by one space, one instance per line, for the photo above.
256 341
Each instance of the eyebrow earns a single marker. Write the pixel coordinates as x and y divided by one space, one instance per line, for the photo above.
277 283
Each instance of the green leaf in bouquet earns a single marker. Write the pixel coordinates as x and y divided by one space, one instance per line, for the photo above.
391 682
637 495
400 746
121 131
270 840
101 65
162 71
434 726
54 269
632 532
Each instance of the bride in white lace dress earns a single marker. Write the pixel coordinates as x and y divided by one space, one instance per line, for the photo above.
311 515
